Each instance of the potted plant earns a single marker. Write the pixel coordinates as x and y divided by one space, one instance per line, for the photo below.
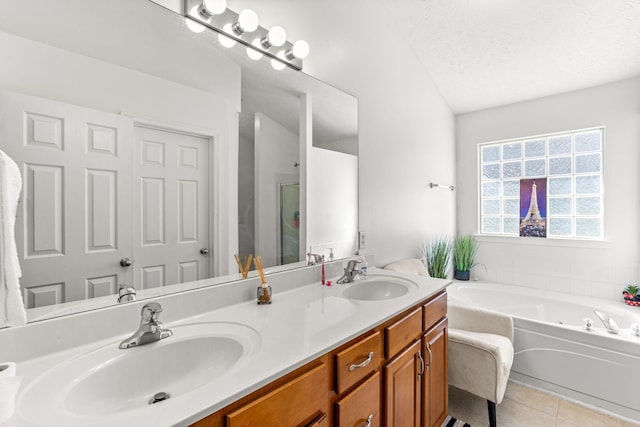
438 255
464 254
631 295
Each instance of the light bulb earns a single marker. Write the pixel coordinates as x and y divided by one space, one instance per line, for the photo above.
194 26
224 40
275 37
278 65
209 8
300 49
247 22
253 53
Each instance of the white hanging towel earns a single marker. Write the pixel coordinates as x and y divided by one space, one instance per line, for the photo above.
12 312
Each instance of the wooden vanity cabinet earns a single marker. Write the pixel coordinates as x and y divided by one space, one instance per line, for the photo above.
403 388
394 375
293 401
356 361
361 406
435 384
301 398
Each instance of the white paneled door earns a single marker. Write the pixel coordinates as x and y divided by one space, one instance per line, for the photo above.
97 190
74 220
171 225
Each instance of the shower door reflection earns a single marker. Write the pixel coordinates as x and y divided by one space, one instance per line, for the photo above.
289 223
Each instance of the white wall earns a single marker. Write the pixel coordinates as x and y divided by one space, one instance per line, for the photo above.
276 152
333 223
406 128
137 35
600 269
246 205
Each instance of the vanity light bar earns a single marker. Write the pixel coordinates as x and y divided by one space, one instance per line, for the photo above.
227 24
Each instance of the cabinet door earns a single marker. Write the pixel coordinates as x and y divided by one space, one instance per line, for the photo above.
402 388
435 384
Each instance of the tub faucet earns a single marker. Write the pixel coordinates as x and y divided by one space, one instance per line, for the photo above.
608 322
150 329
350 273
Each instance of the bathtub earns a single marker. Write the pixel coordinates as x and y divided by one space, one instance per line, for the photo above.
555 353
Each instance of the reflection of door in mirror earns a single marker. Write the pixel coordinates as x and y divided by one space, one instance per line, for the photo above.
78 216
289 223
171 203
69 238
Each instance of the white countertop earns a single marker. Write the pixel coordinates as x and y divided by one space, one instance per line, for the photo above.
300 325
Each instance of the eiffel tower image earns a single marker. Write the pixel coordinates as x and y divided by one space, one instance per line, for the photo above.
532 224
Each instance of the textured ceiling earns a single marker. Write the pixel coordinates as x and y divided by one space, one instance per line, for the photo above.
485 53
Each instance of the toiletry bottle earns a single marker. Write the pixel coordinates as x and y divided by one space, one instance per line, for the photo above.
363 269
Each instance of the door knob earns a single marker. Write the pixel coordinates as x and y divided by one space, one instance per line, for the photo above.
126 262
204 251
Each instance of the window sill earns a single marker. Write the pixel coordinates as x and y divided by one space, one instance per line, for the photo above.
539 241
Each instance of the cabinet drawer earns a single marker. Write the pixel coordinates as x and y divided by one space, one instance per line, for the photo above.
403 332
296 401
360 405
357 361
434 310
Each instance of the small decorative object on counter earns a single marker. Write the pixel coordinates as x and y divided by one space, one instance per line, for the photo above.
264 290
264 294
631 295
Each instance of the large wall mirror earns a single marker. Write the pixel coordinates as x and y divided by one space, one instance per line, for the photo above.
150 154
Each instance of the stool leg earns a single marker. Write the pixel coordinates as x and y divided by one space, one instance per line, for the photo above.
492 413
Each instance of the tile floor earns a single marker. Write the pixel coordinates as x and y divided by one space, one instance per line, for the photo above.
524 406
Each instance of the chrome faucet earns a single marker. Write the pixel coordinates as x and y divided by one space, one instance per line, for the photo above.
351 272
126 294
150 329
314 259
608 322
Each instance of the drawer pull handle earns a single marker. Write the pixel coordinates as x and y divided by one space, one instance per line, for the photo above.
430 355
368 421
421 364
317 420
363 364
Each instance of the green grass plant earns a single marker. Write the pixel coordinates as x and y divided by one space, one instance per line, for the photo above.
438 256
465 249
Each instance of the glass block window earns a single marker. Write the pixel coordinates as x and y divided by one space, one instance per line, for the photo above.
572 163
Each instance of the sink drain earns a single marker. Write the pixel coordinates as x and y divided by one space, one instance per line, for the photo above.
159 397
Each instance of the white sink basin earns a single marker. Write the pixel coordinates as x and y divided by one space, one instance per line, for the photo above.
378 288
110 380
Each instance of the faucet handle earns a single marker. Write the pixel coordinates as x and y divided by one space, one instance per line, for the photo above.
352 264
150 312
